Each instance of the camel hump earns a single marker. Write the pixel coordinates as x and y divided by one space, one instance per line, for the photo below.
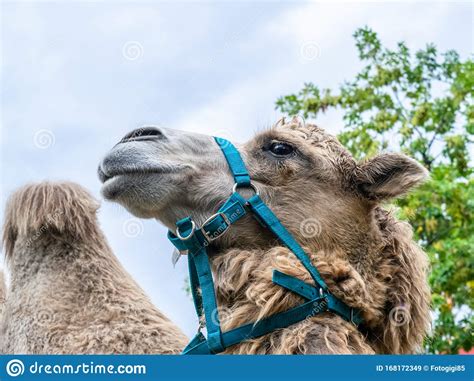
3 291
49 207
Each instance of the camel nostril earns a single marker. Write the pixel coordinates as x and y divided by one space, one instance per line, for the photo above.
143 132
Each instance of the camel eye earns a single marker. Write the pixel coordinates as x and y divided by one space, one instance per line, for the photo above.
281 149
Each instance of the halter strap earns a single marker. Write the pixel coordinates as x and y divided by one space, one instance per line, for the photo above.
196 240
235 162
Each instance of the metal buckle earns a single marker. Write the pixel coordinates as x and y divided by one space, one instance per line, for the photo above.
206 234
193 229
251 185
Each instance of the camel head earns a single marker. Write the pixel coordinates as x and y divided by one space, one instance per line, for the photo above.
320 193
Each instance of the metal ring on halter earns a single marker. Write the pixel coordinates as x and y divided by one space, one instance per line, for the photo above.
193 228
251 185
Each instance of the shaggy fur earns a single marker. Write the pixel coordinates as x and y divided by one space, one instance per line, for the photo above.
392 294
246 293
3 291
332 205
69 293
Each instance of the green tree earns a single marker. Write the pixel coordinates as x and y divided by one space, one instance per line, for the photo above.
420 103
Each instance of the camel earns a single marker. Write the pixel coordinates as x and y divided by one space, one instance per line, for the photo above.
3 291
331 204
68 293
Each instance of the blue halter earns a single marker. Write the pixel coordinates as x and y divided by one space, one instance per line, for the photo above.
194 240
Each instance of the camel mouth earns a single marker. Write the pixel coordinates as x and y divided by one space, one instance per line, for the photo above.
113 186
116 182
106 176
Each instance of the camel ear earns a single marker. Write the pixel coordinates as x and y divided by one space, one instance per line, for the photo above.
388 175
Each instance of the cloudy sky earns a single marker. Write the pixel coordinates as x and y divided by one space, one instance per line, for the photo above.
75 77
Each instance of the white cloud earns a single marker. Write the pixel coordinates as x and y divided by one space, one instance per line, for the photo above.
249 104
